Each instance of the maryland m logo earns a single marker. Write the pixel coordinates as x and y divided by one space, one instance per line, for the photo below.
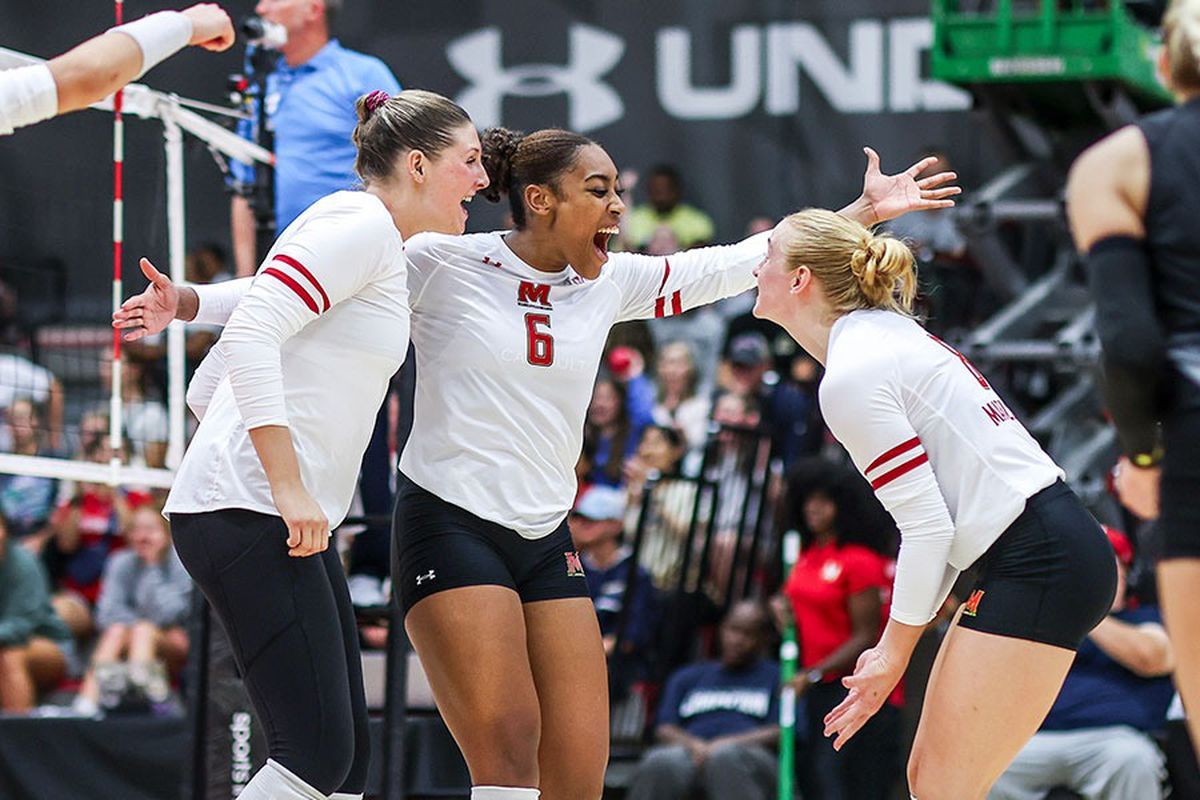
971 607
533 295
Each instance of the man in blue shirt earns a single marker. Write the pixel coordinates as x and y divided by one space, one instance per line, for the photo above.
597 522
310 109
1096 740
718 721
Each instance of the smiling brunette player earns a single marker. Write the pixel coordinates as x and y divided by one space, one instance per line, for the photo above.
509 328
315 339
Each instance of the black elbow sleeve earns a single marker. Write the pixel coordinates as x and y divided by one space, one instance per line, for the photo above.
1132 338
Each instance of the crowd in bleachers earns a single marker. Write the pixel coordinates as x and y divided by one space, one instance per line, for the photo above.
703 443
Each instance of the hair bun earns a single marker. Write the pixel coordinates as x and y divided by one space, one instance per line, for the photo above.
369 103
499 149
883 267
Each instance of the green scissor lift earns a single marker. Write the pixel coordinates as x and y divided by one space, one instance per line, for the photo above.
1062 58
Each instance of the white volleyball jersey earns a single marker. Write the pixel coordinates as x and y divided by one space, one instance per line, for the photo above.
312 345
942 451
507 356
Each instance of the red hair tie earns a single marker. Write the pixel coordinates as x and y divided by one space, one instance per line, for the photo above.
375 99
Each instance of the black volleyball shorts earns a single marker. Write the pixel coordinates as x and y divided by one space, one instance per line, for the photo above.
1050 577
439 546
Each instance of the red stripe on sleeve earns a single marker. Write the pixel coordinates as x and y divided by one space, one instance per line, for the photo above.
292 283
666 274
660 307
895 451
676 303
291 262
903 469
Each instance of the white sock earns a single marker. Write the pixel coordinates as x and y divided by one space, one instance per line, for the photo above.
345 796
503 793
275 782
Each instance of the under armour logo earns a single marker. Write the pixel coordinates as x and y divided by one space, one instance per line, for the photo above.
428 576
592 102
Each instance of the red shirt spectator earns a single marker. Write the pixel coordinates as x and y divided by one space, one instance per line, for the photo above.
820 587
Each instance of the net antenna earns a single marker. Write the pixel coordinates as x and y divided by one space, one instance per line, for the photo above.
141 101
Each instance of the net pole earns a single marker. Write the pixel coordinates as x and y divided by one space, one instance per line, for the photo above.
788 653
114 405
176 335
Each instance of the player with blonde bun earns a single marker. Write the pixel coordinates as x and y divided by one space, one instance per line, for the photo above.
967 486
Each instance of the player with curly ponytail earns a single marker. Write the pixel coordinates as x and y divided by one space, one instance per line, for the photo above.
967 486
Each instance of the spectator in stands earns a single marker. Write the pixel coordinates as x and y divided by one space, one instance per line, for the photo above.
627 365
731 466
93 430
679 404
207 263
717 721
672 501
791 414
666 225
145 597
144 419
27 501
835 594
1097 739
87 528
311 92
21 378
36 651
660 453
597 523
609 435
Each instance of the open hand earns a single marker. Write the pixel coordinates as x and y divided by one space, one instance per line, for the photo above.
891 196
151 311
874 678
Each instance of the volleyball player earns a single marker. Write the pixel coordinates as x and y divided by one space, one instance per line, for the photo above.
102 65
509 328
1133 201
966 484
287 400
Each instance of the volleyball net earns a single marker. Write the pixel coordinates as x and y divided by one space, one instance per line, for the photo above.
75 403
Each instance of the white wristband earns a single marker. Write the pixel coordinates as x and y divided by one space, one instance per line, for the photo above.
159 35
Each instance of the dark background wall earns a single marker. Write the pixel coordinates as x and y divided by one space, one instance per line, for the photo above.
765 106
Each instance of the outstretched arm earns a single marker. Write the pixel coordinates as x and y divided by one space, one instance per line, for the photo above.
655 286
103 64
151 311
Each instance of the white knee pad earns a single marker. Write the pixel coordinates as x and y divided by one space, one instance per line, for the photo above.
503 793
275 782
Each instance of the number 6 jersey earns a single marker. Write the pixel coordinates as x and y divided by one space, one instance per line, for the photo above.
507 356
942 451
